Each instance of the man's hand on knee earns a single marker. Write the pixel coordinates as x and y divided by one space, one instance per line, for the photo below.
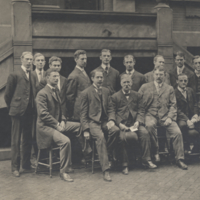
86 135
168 122
110 124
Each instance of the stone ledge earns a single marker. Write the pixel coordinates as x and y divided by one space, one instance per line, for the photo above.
5 154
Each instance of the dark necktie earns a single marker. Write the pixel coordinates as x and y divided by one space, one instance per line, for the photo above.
127 94
99 91
106 70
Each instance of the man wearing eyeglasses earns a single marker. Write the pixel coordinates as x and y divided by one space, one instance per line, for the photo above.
187 117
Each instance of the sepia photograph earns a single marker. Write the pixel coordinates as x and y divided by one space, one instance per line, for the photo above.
100 99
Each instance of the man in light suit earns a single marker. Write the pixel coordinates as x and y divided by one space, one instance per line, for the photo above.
94 119
111 75
36 75
51 123
78 81
127 111
19 99
187 116
179 69
158 60
160 108
138 79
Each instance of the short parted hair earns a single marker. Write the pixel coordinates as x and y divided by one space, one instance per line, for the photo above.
25 53
105 50
195 57
37 55
54 58
156 57
49 71
179 53
125 76
93 72
182 74
78 53
160 68
129 55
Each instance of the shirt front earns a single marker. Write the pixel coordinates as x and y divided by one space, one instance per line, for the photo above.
180 70
183 92
130 72
158 86
106 68
96 88
126 94
25 70
58 83
39 74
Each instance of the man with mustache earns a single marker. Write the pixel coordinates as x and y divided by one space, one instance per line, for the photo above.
95 110
127 112
138 79
19 98
187 116
161 110
111 75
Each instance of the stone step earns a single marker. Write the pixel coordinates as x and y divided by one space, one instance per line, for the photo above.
5 154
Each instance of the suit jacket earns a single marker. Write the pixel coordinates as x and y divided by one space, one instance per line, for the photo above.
167 99
18 93
189 73
183 104
91 106
62 92
138 80
111 80
77 82
149 77
121 107
49 115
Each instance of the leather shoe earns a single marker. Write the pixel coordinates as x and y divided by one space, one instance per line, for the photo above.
66 177
26 170
106 176
182 165
70 170
16 173
125 171
149 165
157 158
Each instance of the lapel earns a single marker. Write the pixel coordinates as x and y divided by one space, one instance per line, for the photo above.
81 74
104 99
52 93
123 97
24 75
162 90
95 93
188 96
61 82
180 96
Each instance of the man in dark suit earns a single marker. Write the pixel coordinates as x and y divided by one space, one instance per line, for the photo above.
78 81
51 123
179 69
128 113
94 119
160 107
19 99
111 75
138 79
187 115
36 76
158 60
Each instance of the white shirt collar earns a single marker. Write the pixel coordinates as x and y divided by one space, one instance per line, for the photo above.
181 90
38 71
96 88
24 69
50 86
130 71
82 69
125 92
158 85
104 66
182 68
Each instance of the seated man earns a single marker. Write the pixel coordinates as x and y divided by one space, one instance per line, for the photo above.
94 119
160 108
187 113
128 111
51 123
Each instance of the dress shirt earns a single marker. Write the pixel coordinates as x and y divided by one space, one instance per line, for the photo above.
98 90
158 86
130 72
180 70
59 83
82 70
183 92
127 96
197 73
106 68
39 74
25 70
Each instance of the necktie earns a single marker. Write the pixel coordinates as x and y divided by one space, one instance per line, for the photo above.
39 76
99 91
179 71
106 70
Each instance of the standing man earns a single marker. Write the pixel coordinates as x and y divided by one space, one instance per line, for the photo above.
138 79
158 60
111 75
128 111
160 107
179 69
78 81
51 123
94 119
187 115
19 99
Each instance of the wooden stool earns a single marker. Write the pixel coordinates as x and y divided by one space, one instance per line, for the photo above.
51 163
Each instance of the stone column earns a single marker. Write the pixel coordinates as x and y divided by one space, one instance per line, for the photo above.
164 28
21 29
